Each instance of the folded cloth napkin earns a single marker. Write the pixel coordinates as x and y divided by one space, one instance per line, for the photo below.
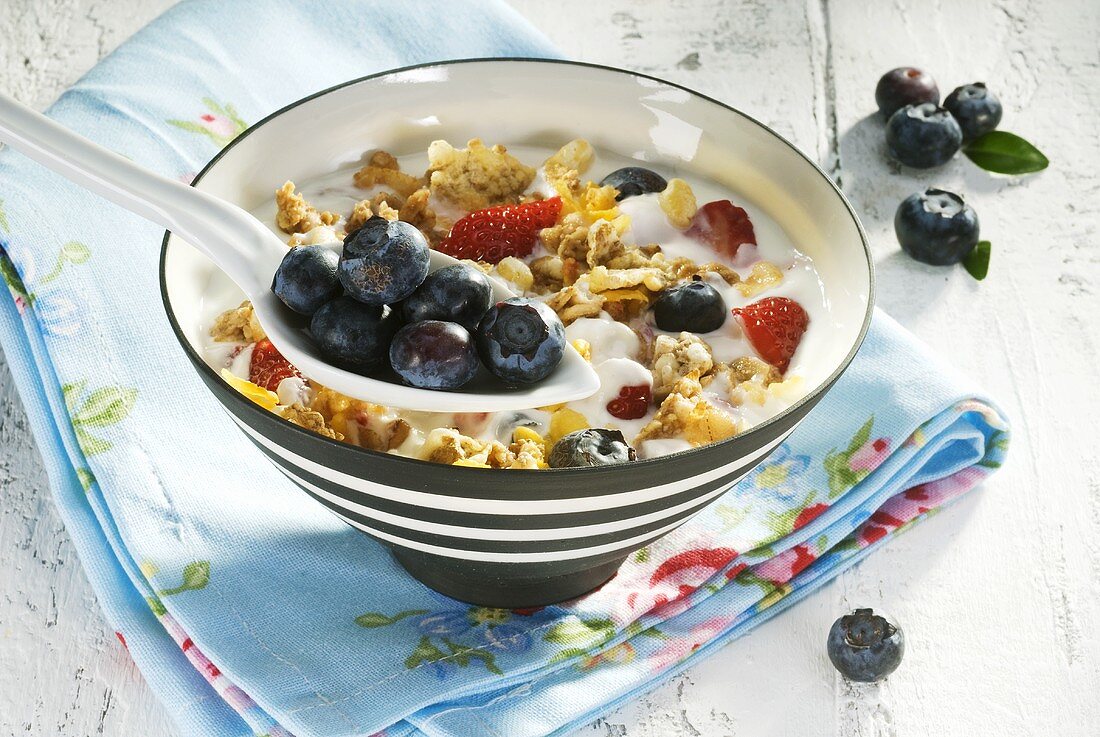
252 610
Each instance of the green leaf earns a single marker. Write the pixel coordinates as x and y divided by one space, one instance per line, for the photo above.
424 652
731 516
848 543
85 477
189 125
3 218
90 444
642 555
568 654
195 576
1005 153
461 655
655 634
377 619
71 393
581 633
862 436
976 262
76 252
105 406
156 605
11 276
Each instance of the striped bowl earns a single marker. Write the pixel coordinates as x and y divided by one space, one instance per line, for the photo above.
522 538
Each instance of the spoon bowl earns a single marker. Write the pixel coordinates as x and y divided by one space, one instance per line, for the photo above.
572 379
246 250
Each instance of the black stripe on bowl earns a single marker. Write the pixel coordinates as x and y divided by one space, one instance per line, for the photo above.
483 520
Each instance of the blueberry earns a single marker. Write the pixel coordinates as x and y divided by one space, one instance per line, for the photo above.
352 334
454 293
923 136
433 354
521 340
904 86
864 646
591 447
634 180
383 262
694 306
936 227
306 278
976 109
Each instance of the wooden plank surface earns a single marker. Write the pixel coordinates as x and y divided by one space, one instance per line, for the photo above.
998 596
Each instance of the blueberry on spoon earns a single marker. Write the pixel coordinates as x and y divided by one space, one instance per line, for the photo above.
455 293
352 334
864 646
306 278
384 261
433 354
521 340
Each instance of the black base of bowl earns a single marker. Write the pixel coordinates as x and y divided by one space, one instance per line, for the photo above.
502 585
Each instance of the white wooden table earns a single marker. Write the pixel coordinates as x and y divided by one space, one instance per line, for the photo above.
999 596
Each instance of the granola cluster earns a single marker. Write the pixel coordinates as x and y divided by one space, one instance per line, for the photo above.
238 325
476 176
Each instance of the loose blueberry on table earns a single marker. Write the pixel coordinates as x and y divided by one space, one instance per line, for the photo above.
865 646
923 136
905 86
936 227
975 108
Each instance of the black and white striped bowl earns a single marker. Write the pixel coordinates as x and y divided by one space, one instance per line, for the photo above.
523 538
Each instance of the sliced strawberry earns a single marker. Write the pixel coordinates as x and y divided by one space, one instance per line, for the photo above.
632 403
495 232
268 367
774 326
723 226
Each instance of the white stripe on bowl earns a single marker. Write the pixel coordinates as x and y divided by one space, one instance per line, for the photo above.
489 557
509 506
503 535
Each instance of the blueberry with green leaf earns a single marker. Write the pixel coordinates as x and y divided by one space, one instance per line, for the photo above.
936 227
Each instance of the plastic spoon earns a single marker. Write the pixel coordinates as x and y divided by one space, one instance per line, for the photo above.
248 252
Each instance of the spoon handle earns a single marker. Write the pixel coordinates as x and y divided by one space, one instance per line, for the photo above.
232 238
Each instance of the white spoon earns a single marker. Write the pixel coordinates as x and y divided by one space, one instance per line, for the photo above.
246 250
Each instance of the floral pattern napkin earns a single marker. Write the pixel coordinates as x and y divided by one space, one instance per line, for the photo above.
251 610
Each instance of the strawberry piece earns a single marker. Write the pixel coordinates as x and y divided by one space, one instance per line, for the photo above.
774 326
268 367
723 226
632 403
495 232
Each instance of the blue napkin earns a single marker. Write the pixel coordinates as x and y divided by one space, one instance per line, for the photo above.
252 610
